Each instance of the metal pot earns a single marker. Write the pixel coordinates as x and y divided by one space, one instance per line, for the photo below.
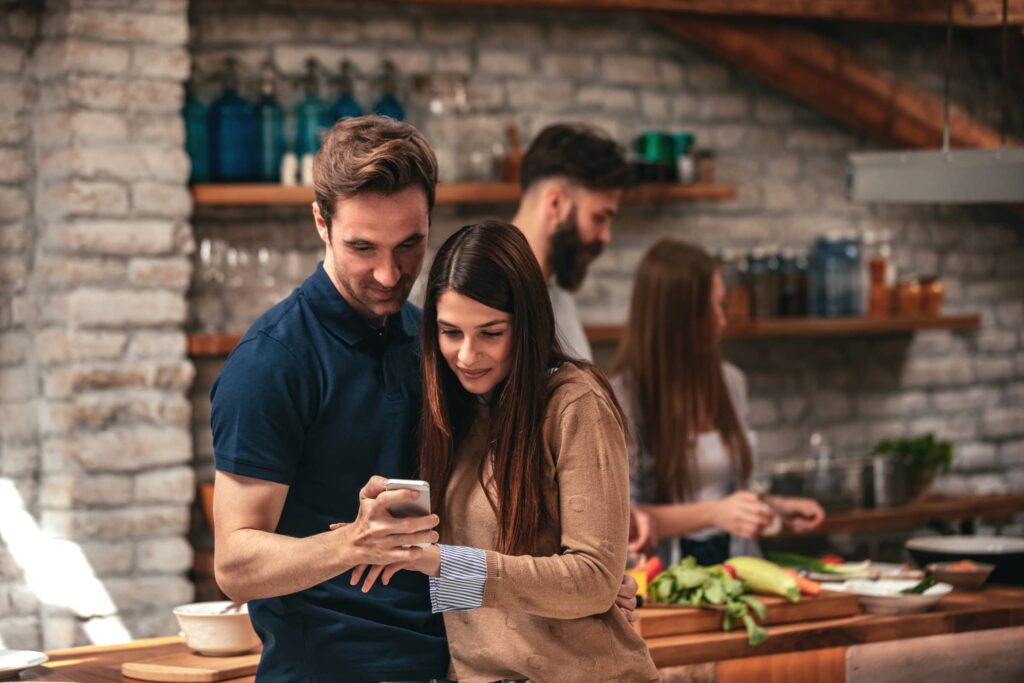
843 484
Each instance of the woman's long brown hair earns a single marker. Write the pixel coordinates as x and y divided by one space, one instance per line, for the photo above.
492 263
669 359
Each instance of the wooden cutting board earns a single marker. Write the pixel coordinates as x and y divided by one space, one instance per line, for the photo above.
187 667
658 621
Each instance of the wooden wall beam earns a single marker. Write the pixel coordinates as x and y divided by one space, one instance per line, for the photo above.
832 79
973 13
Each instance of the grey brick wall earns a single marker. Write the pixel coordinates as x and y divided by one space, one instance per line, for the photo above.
96 266
19 376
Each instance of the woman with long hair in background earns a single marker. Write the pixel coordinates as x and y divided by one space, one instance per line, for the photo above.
686 411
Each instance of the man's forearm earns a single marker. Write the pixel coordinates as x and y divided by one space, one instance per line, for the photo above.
253 564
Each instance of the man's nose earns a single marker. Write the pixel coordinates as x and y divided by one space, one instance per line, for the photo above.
387 273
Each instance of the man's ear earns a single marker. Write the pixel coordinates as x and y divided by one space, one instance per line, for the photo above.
555 201
321 224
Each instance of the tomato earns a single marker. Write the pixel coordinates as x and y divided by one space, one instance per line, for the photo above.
727 568
831 559
654 567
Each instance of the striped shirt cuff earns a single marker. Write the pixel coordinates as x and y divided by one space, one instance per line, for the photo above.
461 583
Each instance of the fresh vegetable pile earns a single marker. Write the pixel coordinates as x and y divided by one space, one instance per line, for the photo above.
688 584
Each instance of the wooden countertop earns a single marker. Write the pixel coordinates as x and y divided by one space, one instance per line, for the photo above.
102 664
960 611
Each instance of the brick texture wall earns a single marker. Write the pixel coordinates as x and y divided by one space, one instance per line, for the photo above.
19 440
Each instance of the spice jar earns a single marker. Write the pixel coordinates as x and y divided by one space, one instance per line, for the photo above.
737 287
705 159
932 295
907 298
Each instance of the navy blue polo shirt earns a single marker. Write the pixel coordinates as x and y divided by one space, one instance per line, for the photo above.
316 398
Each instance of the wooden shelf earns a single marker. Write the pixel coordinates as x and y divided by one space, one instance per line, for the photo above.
818 327
832 327
221 344
212 344
921 512
265 194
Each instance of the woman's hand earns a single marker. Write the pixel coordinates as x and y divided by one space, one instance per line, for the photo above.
799 514
428 562
742 514
626 598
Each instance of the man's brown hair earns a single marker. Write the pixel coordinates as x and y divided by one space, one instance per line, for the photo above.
371 154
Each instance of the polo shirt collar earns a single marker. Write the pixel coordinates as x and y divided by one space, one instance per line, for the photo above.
336 314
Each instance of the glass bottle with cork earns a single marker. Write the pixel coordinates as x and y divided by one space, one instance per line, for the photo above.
271 121
234 132
197 137
388 104
346 105
309 121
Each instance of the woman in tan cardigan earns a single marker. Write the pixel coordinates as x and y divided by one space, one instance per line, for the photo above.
525 453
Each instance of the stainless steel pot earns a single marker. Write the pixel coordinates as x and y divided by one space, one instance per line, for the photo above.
843 484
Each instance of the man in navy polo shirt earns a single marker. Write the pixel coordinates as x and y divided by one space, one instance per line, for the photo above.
320 397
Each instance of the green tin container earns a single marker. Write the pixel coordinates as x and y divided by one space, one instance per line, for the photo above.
656 147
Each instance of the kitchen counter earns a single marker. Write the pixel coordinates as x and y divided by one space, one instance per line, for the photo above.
818 650
958 612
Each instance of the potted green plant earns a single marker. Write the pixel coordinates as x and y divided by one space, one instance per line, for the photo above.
923 457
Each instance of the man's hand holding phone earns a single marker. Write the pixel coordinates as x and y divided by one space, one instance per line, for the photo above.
393 527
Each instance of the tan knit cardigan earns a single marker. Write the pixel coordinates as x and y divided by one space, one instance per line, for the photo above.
551 616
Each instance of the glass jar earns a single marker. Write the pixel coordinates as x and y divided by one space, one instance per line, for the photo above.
686 161
907 298
764 283
737 289
792 283
933 293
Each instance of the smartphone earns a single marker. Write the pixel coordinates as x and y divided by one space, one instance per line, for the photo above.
412 508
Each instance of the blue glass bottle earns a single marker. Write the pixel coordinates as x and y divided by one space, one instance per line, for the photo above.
388 104
197 138
271 118
309 114
234 132
346 105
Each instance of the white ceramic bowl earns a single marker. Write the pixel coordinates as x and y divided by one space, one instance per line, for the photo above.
217 628
884 597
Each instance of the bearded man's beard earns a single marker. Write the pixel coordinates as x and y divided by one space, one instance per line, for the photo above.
570 257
